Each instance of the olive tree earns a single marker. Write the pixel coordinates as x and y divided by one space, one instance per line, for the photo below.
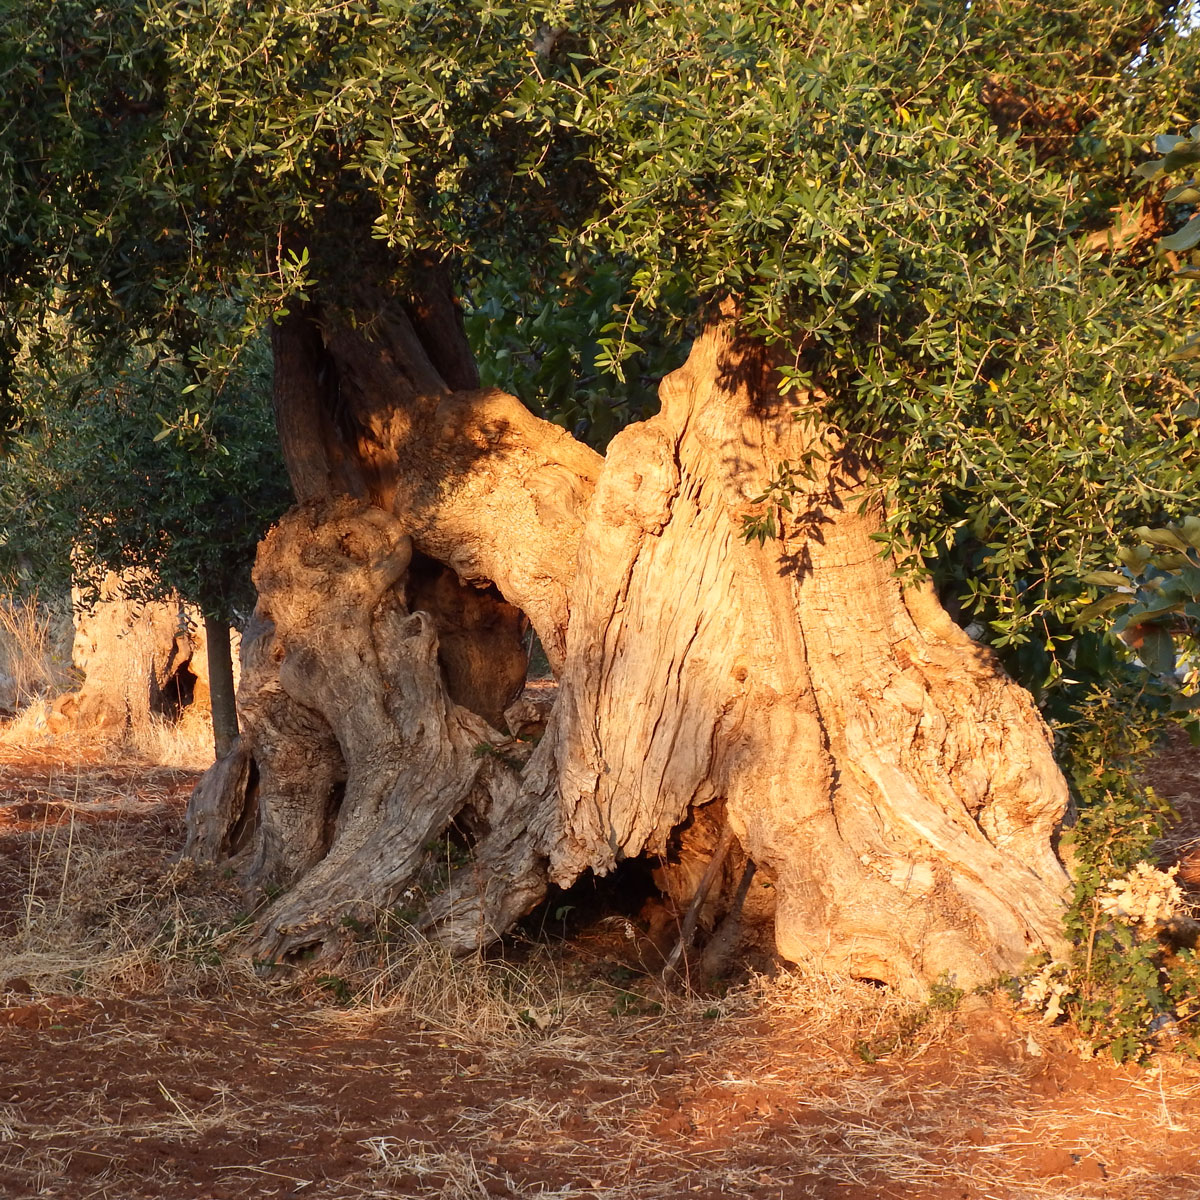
116 469
888 238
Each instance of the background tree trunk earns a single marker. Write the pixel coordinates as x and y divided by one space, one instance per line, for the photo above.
130 653
143 661
895 788
221 687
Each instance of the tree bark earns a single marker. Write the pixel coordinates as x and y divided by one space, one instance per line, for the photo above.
895 789
221 690
148 659
899 788
362 758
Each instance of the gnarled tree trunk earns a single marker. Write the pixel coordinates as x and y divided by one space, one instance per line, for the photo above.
895 788
897 785
141 660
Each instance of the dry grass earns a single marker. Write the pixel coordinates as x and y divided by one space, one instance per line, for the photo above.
186 743
103 916
491 1003
761 1109
536 1079
30 727
35 649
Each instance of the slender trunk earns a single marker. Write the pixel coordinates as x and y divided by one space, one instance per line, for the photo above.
220 685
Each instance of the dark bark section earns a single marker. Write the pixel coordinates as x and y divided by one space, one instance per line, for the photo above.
221 694
335 383
480 483
436 318
305 400
471 625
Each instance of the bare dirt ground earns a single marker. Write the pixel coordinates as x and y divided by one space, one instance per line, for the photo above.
140 1057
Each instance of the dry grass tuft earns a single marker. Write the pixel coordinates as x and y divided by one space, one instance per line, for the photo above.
847 1015
105 917
35 649
186 743
474 1000
30 727
453 1173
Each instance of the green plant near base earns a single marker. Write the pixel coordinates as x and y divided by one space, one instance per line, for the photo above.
1129 992
338 988
490 750
1127 984
944 997
204 943
1124 985
631 1004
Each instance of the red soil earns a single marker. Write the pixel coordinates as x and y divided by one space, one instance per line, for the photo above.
228 1088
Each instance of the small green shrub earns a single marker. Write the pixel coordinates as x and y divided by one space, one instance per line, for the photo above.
1125 984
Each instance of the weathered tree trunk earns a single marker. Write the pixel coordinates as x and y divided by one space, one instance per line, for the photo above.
362 756
143 660
130 653
896 784
895 788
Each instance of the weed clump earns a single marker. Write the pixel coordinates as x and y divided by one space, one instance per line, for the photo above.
1131 981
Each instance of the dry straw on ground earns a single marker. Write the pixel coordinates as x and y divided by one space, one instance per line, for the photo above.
141 1055
35 649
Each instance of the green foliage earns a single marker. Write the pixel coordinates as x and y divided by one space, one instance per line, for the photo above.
110 315
1153 599
1126 984
499 753
543 341
339 989
1180 154
910 199
943 995
1119 819
1123 984
115 468
1127 988
928 262
783 486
